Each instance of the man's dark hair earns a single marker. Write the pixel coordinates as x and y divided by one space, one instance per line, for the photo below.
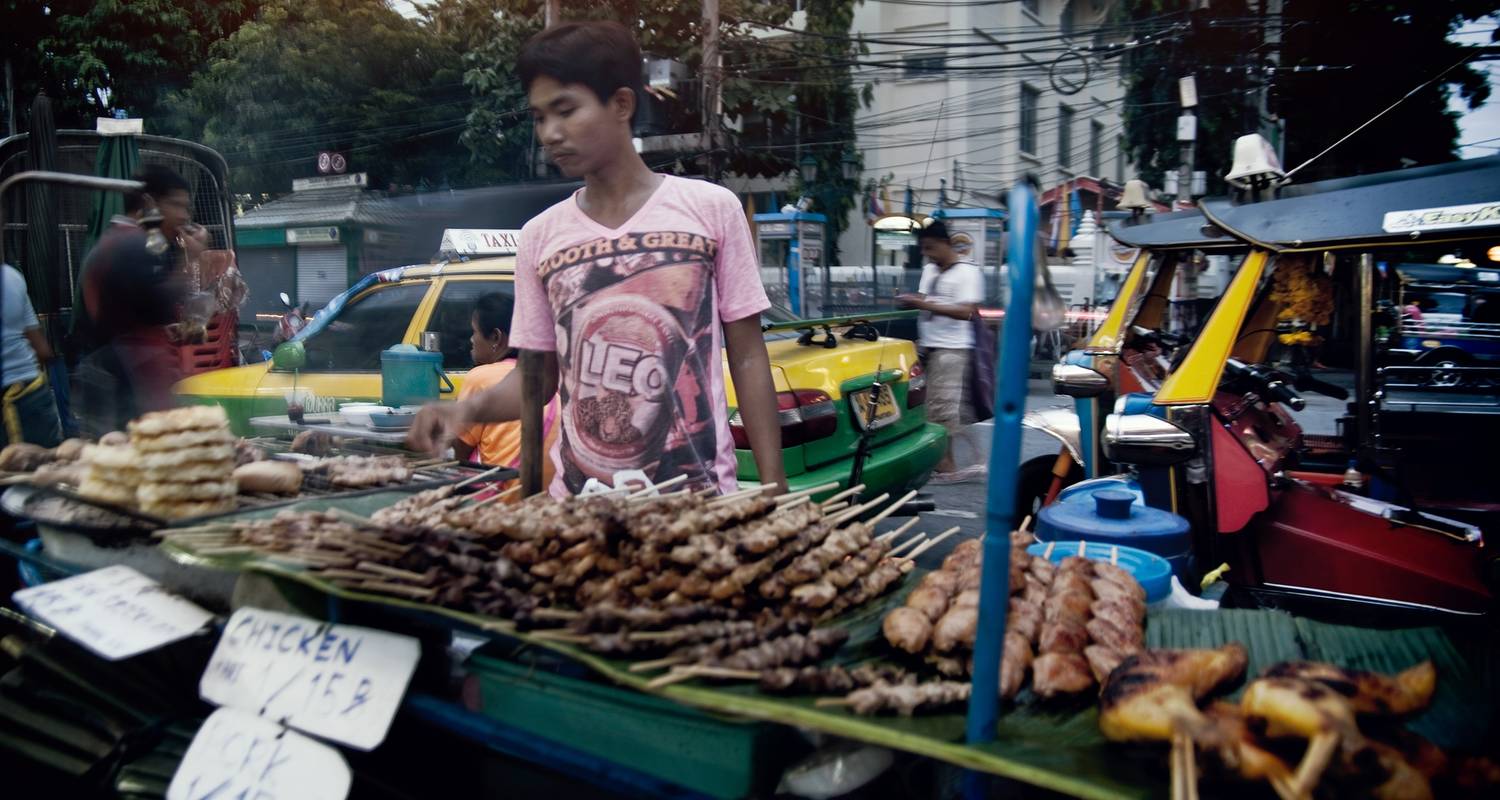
159 181
934 230
600 55
493 312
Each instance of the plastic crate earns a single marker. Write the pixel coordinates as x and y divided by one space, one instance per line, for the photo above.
217 350
713 755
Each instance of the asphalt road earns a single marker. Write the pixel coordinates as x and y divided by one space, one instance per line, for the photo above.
964 505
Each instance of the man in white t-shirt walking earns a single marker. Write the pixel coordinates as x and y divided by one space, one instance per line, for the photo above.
949 295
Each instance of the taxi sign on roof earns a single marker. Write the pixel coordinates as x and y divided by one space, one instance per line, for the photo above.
481 241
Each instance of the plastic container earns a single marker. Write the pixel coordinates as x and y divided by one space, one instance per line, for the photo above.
360 413
1115 517
409 376
1083 491
1152 571
706 754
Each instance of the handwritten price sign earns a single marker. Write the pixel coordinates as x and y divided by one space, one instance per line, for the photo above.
115 611
240 755
339 682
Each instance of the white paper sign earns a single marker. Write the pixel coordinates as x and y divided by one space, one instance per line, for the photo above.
115 611
1437 219
240 755
339 682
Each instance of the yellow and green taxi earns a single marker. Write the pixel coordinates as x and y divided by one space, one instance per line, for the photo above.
819 387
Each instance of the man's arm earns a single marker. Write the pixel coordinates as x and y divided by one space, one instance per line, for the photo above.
750 369
438 424
40 344
962 311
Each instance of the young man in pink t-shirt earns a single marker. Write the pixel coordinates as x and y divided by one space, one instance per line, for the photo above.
631 288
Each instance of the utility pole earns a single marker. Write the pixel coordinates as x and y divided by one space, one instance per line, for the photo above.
710 99
1187 133
553 13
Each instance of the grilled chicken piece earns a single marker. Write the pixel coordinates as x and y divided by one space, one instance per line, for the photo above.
930 600
907 629
1024 618
1077 565
1035 591
956 628
964 554
1055 674
1014 662
1369 693
946 582
1042 569
1070 583
1109 590
1126 640
1154 693
1063 636
1102 660
1295 707
968 598
1113 573
1119 612
1229 739
1067 606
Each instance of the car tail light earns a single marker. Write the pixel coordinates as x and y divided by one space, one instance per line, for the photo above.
916 387
805 416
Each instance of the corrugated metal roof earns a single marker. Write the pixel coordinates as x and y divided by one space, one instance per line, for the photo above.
345 205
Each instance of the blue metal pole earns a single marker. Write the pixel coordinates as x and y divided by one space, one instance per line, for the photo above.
1005 455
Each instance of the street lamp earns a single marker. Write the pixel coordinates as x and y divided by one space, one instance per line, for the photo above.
809 169
850 165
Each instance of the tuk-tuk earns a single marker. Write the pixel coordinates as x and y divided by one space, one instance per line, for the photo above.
1392 513
1130 352
1449 314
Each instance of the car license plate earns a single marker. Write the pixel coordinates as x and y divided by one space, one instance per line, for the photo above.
886 412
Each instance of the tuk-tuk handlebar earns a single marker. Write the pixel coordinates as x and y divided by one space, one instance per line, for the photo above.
1269 383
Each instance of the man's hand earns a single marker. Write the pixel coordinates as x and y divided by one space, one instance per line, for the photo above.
911 300
437 425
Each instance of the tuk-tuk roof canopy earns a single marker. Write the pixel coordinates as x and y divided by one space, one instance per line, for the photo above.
1443 202
1176 230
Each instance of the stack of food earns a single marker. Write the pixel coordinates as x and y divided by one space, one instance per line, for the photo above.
187 460
111 474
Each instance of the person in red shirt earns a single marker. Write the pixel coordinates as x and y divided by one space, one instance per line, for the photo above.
131 293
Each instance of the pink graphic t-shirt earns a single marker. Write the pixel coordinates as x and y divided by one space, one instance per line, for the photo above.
634 315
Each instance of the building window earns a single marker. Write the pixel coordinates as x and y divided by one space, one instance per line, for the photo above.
1029 99
1120 159
1065 136
926 65
1096 141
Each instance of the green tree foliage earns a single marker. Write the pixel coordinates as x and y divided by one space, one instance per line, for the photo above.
1372 52
1392 47
351 76
94 55
1178 44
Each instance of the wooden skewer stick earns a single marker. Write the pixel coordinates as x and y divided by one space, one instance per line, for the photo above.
675 675
849 492
857 510
1025 524
392 572
656 664
1114 554
799 501
731 497
481 476
832 702
931 543
835 508
657 487
1319 751
905 526
723 672
511 492
559 636
1047 552
397 588
891 509
1285 787
809 492
223 551
898 549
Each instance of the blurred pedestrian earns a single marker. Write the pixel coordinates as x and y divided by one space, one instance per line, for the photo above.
132 288
29 408
948 297
496 444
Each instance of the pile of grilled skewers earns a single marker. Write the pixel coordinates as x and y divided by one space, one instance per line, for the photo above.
1068 625
1344 723
722 588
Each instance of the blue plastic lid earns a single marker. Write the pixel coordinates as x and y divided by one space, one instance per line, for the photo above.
1113 515
1152 571
406 352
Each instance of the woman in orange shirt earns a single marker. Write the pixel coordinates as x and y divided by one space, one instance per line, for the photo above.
497 444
